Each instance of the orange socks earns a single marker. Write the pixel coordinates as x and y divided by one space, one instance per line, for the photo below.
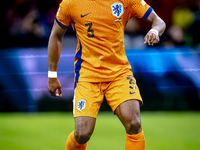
72 144
135 141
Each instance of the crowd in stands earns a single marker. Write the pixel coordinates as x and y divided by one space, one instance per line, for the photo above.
28 23
182 18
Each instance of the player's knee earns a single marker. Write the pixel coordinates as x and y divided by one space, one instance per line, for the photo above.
82 137
133 127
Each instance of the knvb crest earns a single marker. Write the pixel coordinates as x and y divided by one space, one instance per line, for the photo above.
81 104
117 9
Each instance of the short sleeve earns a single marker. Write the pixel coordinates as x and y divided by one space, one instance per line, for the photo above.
139 8
63 17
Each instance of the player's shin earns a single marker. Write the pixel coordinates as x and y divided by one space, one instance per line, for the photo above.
72 144
135 141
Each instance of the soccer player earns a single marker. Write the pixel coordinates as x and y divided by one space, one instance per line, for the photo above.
101 65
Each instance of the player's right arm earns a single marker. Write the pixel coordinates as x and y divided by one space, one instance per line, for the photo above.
158 25
54 51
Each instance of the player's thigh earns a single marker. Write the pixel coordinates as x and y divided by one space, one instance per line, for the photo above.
128 111
129 114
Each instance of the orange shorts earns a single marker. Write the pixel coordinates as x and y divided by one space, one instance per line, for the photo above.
88 96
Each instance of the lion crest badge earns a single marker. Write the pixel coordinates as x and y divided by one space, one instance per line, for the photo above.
117 9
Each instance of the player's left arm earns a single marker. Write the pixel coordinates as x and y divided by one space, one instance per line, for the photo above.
158 27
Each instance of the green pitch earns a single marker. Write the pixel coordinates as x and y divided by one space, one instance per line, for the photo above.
48 131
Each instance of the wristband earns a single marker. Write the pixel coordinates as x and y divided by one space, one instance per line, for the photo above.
154 31
52 74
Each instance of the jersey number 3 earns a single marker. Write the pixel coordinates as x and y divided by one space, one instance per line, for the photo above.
90 31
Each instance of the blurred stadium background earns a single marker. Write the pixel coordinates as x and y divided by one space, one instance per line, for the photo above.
168 74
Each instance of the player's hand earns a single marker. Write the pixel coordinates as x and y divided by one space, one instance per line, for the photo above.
151 38
54 87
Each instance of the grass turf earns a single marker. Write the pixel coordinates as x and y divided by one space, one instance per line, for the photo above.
48 131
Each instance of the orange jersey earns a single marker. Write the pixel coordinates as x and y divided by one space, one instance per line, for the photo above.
100 54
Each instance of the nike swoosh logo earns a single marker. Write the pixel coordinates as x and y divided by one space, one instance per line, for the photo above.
133 92
85 14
